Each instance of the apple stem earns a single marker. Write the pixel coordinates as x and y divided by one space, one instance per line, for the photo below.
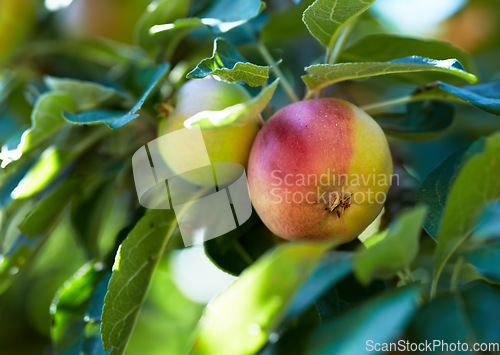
334 52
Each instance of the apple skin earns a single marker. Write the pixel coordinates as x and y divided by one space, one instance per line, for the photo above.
17 18
111 19
303 141
224 144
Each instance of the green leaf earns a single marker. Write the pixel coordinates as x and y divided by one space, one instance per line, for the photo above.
92 343
176 30
347 294
484 96
222 16
488 226
158 12
46 118
334 267
469 315
485 260
99 213
229 65
114 119
395 252
234 115
325 19
436 186
322 75
69 306
380 320
110 54
135 263
166 325
51 162
86 95
225 15
367 49
284 26
46 213
423 120
253 306
477 184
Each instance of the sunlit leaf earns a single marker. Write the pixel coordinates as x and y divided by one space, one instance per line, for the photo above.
86 95
134 265
229 65
252 307
46 119
395 252
224 15
221 17
51 162
47 211
322 75
325 19
158 12
234 115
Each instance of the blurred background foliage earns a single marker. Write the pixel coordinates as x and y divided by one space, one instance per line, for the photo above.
80 202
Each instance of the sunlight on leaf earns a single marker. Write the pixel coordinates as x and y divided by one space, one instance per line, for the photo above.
393 253
134 265
325 19
322 75
229 65
234 115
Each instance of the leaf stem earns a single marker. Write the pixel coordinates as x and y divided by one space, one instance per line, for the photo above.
283 80
333 53
439 269
383 104
408 274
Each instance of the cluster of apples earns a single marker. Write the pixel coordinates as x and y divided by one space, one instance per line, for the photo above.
317 168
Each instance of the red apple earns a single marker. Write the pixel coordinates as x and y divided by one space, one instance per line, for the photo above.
319 169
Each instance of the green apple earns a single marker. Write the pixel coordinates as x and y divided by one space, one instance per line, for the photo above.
223 144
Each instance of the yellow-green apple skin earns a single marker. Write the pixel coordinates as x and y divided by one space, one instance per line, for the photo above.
111 19
308 156
17 18
223 144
